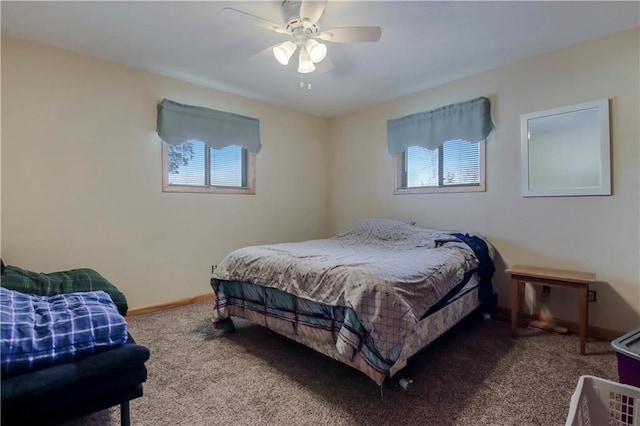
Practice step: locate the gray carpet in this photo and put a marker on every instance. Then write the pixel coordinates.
(475, 375)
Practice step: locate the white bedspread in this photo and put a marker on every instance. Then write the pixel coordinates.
(389, 272)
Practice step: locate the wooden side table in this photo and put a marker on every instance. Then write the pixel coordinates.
(551, 277)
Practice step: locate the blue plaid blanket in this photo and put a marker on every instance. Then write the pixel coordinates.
(41, 331)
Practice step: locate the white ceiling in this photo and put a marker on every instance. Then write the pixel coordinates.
(423, 44)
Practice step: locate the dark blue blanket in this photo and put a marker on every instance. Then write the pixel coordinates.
(485, 270)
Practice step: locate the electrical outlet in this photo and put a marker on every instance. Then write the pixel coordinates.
(545, 294)
(592, 296)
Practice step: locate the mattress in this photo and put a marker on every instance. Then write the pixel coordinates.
(317, 325)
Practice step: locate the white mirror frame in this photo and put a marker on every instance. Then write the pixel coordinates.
(602, 124)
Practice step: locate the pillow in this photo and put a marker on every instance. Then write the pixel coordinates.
(381, 229)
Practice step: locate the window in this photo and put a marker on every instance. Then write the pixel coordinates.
(206, 150)
(455, 166)
(193, 166)
(441, 150)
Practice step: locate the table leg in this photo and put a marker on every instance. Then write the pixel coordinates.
(521, 286)
(515, 304)
(583, 306)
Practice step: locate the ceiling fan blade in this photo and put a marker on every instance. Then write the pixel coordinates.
(256, 20)
(351, 34)
(267, 52)
(324, 65)
(312, 10)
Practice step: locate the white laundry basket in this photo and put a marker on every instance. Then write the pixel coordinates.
(600, 402)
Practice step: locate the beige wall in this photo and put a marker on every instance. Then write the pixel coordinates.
(81, 176)
(599, 234)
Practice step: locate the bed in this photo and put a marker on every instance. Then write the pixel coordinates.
(370, 297)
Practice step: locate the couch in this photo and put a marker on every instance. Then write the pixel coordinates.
(65, 391)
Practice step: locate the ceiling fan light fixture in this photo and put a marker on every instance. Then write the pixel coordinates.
(284, 51)
(317, 51)
(305, 65)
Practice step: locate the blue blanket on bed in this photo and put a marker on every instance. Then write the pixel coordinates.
(40, 331)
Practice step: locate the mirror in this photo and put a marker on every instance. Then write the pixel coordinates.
(566, 151)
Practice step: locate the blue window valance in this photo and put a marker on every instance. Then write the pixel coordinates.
(178, 123)
(469, 121)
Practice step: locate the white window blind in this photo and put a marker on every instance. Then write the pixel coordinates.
(455, 163)
(227, 166)
(461, 163)
(193, 163)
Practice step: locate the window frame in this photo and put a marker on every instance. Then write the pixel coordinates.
(250, 189)
(398, 162)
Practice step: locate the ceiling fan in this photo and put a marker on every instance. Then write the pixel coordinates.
(300, 19)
